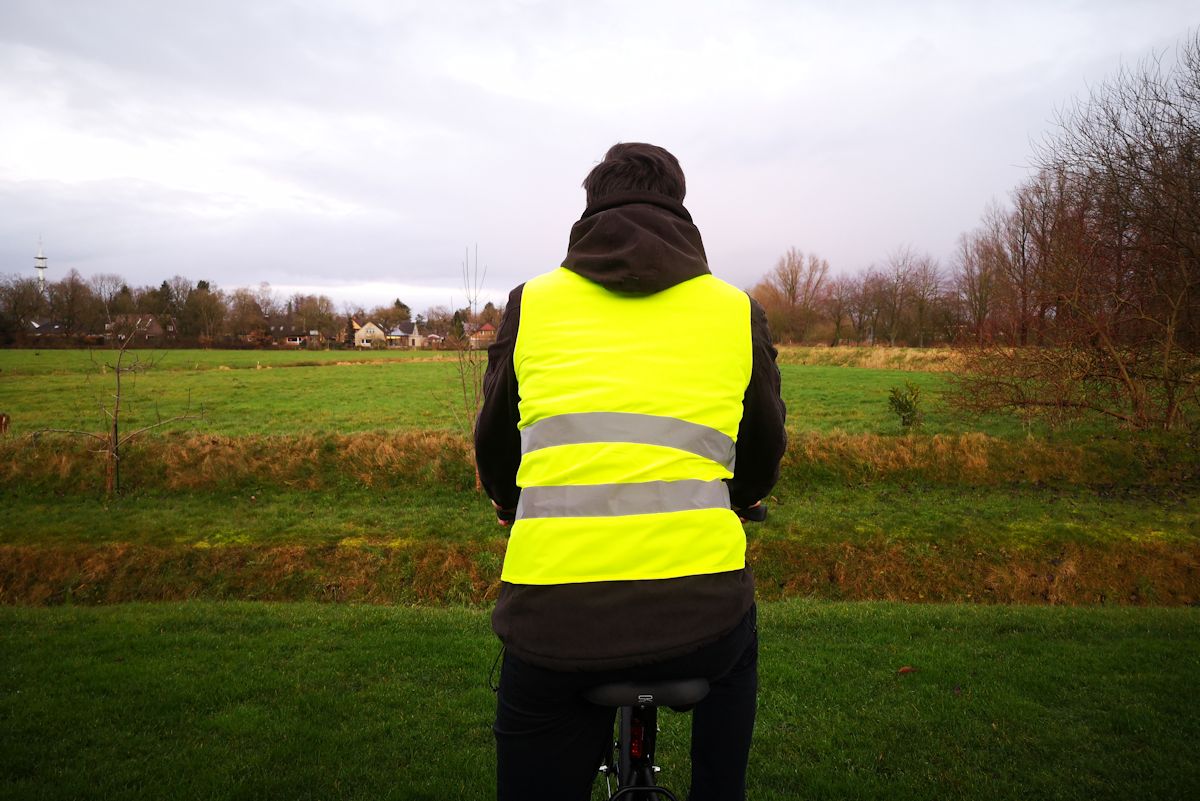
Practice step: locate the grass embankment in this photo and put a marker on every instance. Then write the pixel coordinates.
(968, 510)
(191, 701)
(395, 517)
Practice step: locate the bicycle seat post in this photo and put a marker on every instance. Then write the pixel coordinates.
(638, 703)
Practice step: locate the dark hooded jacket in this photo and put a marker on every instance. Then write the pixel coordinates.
(635, 243)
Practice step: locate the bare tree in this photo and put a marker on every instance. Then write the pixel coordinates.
(926, 293)
(790, 293)
(21, 300)
(840, 302)
(974, 279)
(470, 361)
(893, 286)
(246, 318)
(1113, 223)
(113, 440)
(107, 286)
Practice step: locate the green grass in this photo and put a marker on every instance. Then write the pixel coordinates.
(993, 517)
(1023, 489)
(403, 394)
(192, 701)
(263, 516)
(311, 392)
(30, 361)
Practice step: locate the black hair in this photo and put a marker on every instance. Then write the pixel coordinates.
(635, 167)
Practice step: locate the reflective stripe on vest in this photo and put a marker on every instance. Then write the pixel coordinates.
(647, 429)
(630, 407)
(611, 500)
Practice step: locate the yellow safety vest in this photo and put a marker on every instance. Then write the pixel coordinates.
(630, 406)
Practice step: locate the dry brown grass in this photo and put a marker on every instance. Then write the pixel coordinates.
(384, 459)
(431, 573)
(438, 573)
(1127, 573)
(972, 458)
(929, 360)
(211, 461)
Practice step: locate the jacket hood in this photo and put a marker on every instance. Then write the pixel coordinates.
(636, 242)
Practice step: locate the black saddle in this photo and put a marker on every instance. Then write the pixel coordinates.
(680, 694)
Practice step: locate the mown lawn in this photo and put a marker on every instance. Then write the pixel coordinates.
(301, 701)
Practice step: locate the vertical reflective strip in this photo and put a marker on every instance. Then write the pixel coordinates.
(611, 500)
(640, 429)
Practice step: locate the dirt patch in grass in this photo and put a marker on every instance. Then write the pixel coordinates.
(438, 573)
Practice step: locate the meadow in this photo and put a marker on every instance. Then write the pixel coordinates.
(349, 475)
(322, 562)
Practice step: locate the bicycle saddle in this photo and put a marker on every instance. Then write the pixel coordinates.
(678, 694)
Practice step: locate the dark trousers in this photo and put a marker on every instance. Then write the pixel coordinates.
(549, 740)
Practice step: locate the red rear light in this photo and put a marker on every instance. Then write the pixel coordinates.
(637, 739)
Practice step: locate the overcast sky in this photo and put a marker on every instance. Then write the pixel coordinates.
(357, 147)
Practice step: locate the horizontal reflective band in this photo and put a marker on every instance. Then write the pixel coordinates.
(642, 429)
(610, 500)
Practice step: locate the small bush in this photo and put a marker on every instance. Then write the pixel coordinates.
(906, 403)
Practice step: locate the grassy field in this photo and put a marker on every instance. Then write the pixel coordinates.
(274, 392)
(347, 478)
(365, 454)
(192, 701)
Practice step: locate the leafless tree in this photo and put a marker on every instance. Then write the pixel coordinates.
(974, 279)
(925, 291)
(70, 299)
(840, 303)
(1111, 226)
(246, 318)
(791, 292)
(470, 361)
(21, 300)
(112, 440)
(107, 286)
(893, 286)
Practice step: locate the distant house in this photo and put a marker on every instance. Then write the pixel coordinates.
(295, 336)
(144, 328)
(43, 328)
(369, 335)
(405, 335)
(484, 336)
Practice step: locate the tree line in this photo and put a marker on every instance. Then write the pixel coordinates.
(202, 313)
(1081, 293)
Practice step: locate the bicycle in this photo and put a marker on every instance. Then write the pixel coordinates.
(631, 759)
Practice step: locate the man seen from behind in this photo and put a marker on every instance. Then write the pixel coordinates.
(631, 405)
